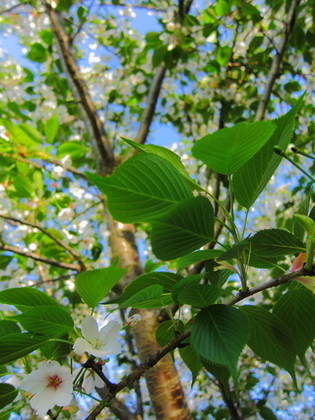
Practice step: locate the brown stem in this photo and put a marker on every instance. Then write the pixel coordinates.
(100, 142)
(274, 71)
(38, 257)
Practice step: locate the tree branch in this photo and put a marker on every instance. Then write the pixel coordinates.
(74, 254)
(274, 71)
(38, 257)
(148, 113)
(94, 126)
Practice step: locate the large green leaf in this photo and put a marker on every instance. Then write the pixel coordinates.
(297, 310)
(199, 295)
(46, 320)
(197, 256)
(270, 338)
(7, 394)
(228, 149)
(168, 155)
(8, 327)
(186, 227)
(93, 285)
(142, 188)
(25, 298)
(219, 334)
(18, 345)
(165, 279)
(275, 242)
(251, 179)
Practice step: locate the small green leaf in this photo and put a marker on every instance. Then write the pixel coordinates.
(234, 252)
(266, 413)
(186, 227)
(275, 242)
(142, 188)
(184, 282)
(197, 256)
(228, 149)
(25, 298)
(7, 394)
(191, 359)
(51, 128)
(94, 285)
(199, 295)
(37, 53)
(220, 372)
(18, 345)
(219, 334)
(167, 331)
(46, 320)
(270, 338)
(296, 309)
(307, 223)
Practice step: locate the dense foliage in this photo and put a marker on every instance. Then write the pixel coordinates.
(157, 156)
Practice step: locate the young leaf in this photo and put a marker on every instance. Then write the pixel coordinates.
(219, 334)
(7, 394)
(18, 345)
(228, 149)
(25, 298)
(94, 285)
(297, 310)
(251, 179)
(270, 338)
(275, 242)
(143, 187)
(186, 227)
(49, 321)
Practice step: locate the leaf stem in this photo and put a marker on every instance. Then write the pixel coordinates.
(282, 153)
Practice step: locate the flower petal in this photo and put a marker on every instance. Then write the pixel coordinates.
(110, 348)
(89, 329)
(81, 346)
(109, 332)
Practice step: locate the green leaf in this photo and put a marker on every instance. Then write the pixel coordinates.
(18, 345)
(251, 179)
(191, 359)
(228, 149)
(266, 413)
(25, 298)
(168, 155)
(296, 309)
(219, 334)
(46, 320)
(186, 227)
(200, 295)
(8, 327)
(94, 285)
(196, 257)
(270, 338)
(184, 282)
(307, 223)
(275, 242)
(165, 279)
(143, 187)
(234, 252)
(54, 350)
(73, 148)
(37, 53)
(149, 297)
(222, 8)
(23, 186)
(7, 394)
(51, 128)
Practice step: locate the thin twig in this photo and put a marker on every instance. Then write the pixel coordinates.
(274, 71)
(74, 254)
(37, 257)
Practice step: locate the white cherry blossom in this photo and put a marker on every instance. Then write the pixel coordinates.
(99, 343)
(51, 385)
